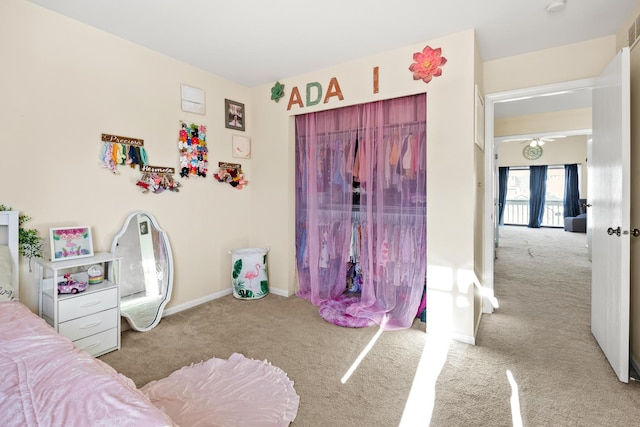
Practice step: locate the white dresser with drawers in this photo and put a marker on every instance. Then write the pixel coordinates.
(91, 317)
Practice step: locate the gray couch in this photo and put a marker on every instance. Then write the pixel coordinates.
(577, 224)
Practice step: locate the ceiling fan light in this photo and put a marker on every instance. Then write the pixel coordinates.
(532, 143)
(556, 6)
(541, 142)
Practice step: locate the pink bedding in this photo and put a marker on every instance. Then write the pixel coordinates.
(238, 392)
(46, 381)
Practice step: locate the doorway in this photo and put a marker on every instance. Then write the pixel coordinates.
(535, 100)
(609, 175)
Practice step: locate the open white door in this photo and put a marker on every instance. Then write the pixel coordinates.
(609, 196)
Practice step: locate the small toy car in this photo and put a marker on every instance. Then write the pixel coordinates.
(70, 286)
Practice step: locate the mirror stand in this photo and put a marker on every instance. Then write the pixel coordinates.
(146, 270)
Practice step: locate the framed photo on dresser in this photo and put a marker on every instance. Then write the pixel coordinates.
(70, 243)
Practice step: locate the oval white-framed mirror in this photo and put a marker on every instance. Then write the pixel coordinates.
(146, 270)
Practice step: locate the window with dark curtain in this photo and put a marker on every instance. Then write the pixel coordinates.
(503, 179)
(538, 190)
(571, 191)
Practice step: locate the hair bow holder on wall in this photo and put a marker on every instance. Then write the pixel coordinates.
(122, 150)
(192, 143)
(156, 179)
(231, 173)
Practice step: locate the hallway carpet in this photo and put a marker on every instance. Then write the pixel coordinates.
(541, 336)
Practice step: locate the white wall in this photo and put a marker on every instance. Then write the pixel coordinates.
(561, 64)
(450, 167)
(74, 82)
(480, 189)
(63, 84)
(68, 83)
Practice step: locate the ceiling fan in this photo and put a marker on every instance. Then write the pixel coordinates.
(536, 142)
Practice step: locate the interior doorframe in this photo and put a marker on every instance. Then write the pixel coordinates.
(490, 172)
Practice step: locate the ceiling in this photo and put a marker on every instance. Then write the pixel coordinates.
(566, 100)
(255, 42)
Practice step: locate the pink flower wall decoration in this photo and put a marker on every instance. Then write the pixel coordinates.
(426, 64)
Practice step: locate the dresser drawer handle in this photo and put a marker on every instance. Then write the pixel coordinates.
(90, 325)
(91, 303)
(95, 344)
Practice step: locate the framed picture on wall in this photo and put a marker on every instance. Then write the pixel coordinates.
(235, 117)
(144, 228)
(70, 242)
(479, 107)
(241, 147)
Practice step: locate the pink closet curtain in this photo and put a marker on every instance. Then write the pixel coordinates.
(382, 145)
(325, 147)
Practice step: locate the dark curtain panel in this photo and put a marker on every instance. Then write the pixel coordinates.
(503, 178)
(571, 192)
(538, 190)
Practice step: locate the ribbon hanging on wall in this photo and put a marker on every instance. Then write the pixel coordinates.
(192, 143)
(122, 150)
(156, 179)
(231, 173)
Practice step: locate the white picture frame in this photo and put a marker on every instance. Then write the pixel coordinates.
(192, 100)
(70, 243)
(479, 122)
(240, 147)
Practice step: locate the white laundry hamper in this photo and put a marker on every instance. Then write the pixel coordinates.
(249, 278)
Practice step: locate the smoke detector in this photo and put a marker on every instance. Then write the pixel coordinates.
(556, 6)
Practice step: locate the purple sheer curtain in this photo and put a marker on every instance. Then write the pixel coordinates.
(325, 147)
(393, 211)
(383, 147)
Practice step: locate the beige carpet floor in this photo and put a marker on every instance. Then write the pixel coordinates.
(540, 336)
(290, 334)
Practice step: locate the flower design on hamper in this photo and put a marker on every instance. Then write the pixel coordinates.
(426, 64)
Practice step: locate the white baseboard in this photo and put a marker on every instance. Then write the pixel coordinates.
(477, 328)
(196, 302)
(279, 292)
(464, 339)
